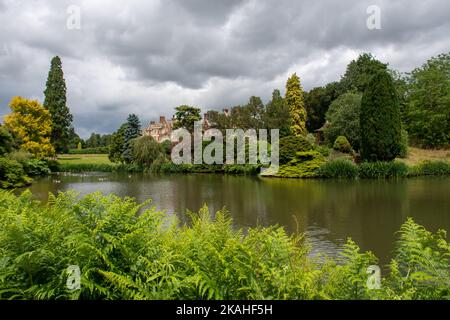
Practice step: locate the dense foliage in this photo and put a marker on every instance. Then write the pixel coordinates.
(290, 145)
(427, 114)
(341, 144)
(132, 131)
(146, 150)
(343, 118)
(375, 170)
(6, 140)
(12, 174)
(295, 102)
(339, 169)
(56, 103)
(125, 255)
(117, 144)
(31, 123)
(305, 164)
(380, 122)
(186, 116)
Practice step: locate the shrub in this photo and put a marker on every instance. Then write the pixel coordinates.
(290, 145)
(305, 165)
(433, 168)
(380, 122)
(20, 156)
(31, 165)
(339, 168)
(12, 174)
(36, 167)
(341, 144)
(323, 150)
(393, 169)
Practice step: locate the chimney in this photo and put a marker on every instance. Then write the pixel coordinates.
(162, 119)
(205, 116)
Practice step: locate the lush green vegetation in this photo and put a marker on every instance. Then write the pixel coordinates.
(427, 102)
(339, 169)
(376, 170)
(96, 150)
(341, 144)
(125, 255)
(380, 122)
(343, 120)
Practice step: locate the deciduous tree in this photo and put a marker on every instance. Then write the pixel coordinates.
(31, 122)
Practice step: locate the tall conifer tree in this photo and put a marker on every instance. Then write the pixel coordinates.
(56, 102)
(296, 104)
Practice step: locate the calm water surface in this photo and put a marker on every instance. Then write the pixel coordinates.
(327, 211)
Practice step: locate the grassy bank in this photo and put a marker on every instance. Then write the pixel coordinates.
(85, 162)
(336, 165)
(122, 255)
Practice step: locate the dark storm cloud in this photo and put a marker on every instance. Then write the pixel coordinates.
(149, 56)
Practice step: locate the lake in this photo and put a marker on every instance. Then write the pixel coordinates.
(327, 211)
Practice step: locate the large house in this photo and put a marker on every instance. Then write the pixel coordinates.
(160, 131)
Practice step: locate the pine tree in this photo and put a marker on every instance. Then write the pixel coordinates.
(380, 122)
(55, 102)
(132, 131)
(296, 104)
(117, 144)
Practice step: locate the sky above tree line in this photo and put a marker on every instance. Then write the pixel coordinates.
(148, 57)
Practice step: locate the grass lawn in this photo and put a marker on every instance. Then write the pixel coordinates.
(416, 155)
(83, 159)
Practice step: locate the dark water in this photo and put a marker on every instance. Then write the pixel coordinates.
(368, 211)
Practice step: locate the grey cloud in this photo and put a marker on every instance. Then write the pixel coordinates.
(149, 56)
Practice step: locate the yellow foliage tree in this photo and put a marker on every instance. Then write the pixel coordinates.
(32, 123)
(296, 104)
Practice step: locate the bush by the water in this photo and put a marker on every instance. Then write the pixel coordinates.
(338, 169)
(31, 165)
(12, 174)
(126, 250)
(375, 170)
(237, 169)
(290, 145)
(305, 165)
(431, 168)
(341, 144)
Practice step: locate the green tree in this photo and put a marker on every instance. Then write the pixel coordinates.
(427, 114)
(380, 123)
(74, 139)
(295, 102)
(146, 150)
(343, 117)
(117, 144)
(56, 102)
(317, 103)
(185, 116)
(277, 114)
(32, 124)
(6, 141)
(132, 131)
(360, 71)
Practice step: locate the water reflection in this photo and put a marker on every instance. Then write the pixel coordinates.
(369, 211)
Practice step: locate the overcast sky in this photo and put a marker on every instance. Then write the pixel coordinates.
(149, 56)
